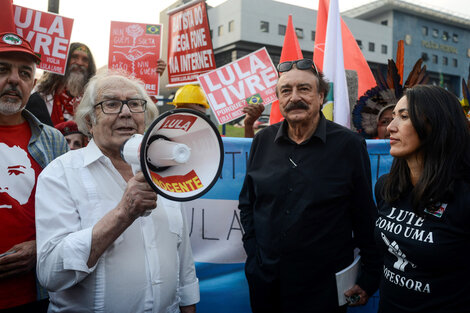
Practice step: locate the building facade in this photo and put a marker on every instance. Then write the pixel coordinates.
(239, 27)
(441, 38)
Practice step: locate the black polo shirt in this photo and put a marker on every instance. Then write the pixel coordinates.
(301, 203)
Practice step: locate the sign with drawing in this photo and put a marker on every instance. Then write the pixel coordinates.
(135, 48)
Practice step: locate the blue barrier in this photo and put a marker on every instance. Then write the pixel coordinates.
(223, 285)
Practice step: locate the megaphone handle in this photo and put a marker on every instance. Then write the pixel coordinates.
(135, 169)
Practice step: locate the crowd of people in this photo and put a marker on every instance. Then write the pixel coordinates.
(74, 235)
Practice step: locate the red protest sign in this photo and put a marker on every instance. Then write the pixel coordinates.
(135, 48)
(249, 80)
(189, 44)
(49, 35)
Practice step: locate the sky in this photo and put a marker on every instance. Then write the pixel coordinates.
(92, 17)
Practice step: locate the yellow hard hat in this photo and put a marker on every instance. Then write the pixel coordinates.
(190, 94)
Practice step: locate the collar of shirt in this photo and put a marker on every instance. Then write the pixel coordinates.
(320, 132)
(35, 125)
(92, 154)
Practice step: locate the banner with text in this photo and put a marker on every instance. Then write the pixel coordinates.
(49, 35)
(216, 231)
(249, 80)
(135, 48)
(189, 44)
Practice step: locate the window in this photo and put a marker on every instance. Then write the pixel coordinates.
(384, 49)
(384, 22)
(211, 32)
(455, 38)
(220, 30)
(371, 46)
(281, 30)
(424, 30)
(445, 60)
(264, 27)
(445, 36)
(454, 62)
(435, 33)
(424, 56)
(299, 32)
(231, 26)
(313, 35)
(359, 43)
(434, 59)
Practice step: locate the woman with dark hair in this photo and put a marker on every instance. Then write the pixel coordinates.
(423, 228)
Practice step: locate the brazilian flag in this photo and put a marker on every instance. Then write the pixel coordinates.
(153, 29)
(255, 99)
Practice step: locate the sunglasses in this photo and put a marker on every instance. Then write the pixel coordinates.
(302, 64)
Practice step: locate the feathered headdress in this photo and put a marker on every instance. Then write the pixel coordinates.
(388, 91)
(466, 96)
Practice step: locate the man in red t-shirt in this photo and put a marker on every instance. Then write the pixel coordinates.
(26, 147)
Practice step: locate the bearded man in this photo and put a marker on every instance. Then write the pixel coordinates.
(57, 96)
(26, 147)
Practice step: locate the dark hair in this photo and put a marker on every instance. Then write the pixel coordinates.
(323, 86)
(444, 136)
(49, 82)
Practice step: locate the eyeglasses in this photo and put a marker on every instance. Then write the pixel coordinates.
(115, 106)
(302, 64)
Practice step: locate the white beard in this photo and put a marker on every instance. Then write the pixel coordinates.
(10, 106)
(75, 82)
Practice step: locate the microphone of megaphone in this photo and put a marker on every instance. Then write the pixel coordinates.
(161, 153)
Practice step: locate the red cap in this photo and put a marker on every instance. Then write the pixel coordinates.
(11, 42)
(67, 128)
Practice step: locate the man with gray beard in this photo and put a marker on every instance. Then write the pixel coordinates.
(26, 147)
(57, 96)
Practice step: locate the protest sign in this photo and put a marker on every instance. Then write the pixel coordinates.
(49, 35)
(249, 80)
(189, 44)
(135, 48)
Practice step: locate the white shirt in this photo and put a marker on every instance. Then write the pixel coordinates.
(149, 268)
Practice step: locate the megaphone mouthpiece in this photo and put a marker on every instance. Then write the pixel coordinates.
(163, 153)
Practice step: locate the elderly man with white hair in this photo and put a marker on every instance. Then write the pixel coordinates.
(96, 252)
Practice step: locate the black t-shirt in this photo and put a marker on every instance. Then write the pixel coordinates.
(426, 260)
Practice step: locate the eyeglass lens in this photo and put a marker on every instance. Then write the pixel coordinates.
(115, 106)
(303, 64)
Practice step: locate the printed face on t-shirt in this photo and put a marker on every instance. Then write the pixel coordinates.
(16, 175)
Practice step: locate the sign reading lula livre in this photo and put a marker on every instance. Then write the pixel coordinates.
(189, 44)
(49, 35)
(249, 80)
(135, 48)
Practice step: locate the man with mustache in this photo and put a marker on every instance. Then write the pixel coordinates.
(57, 96)
(307, 190)
(26, 147)
(96, 250)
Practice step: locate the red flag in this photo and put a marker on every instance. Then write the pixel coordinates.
(353, 57)
(290, 52)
